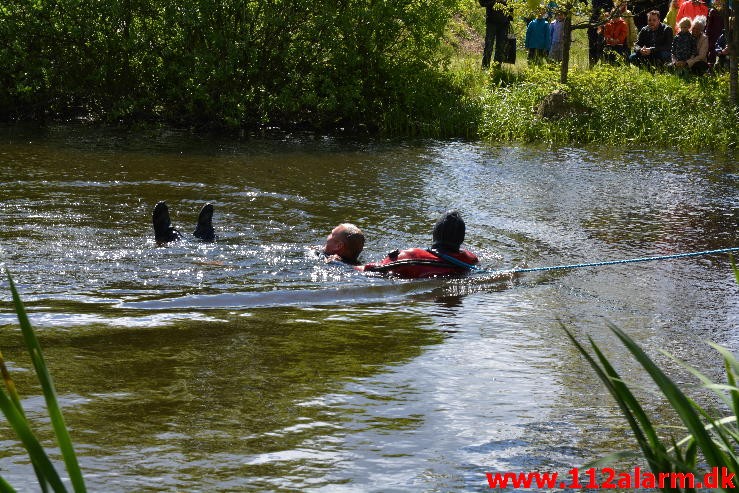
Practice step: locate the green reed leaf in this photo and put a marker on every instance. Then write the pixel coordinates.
(680, 403)
(19, 424)
(653, 456)
(15, 398)
(5, 487)
(47, 385)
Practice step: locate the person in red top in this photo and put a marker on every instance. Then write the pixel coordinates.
(615, 32)
(691, 9)
(445, 257)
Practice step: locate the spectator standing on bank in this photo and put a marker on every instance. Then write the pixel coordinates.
(538, 38)
(714, 27)
(692, 9)
(595, 42)
(497, 23)
(556, 34)
(632, 33)
(671, 17)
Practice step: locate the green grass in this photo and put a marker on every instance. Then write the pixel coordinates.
(10, 404)
(624, 106)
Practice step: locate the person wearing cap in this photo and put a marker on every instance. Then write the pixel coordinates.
(344, 244)
(445, 257)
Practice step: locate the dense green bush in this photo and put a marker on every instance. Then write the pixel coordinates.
(233, 63)
(394, 66)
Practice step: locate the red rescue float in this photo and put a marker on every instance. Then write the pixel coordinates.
(417, 263)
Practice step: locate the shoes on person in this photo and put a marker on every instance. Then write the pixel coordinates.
(204, 230)
(163, 230)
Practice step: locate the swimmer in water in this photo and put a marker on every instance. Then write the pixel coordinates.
(164, 232)
(344, 244)
(445, 257)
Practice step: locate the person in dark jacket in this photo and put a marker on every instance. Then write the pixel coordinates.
(722, 54)
(654, 43)
(497, 23)
(595, 42)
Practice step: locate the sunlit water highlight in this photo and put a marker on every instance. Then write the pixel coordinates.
(249, 364)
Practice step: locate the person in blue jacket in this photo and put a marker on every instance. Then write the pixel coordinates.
(538, 38)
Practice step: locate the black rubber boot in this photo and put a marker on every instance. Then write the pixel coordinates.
(204, 230)
(163, 230)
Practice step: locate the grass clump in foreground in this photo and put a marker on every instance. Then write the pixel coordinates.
(717, 439)
(613, 105)
(10, 405)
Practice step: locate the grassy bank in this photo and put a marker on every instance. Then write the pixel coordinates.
(615, 106)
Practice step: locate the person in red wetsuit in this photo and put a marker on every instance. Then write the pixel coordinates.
(445, 258)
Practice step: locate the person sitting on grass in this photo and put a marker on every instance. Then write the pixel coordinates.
(615, 32)
(722, 54)
(653, 44)
(538, 38)
(698, 63)
(164, 232)
(684, 46)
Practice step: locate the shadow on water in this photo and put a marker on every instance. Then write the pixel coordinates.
(213, 399)
(249, 364)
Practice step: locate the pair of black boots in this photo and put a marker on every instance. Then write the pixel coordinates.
(164, 232)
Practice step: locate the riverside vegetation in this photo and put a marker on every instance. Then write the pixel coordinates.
(395, 67)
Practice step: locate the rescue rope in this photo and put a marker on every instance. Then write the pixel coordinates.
(459, 263)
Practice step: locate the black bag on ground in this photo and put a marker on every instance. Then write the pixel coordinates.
(509, 54)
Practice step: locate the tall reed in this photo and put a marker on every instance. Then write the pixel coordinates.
(712, 438)
(10, 404)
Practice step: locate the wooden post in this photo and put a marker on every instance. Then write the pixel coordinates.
(566, 42)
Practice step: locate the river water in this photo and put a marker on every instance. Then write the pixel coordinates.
(250, 365)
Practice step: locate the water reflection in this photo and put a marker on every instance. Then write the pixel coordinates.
(249, 364)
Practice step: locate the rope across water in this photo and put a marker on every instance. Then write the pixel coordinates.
(589, 264)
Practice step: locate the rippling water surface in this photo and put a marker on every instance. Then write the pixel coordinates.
(249, 364)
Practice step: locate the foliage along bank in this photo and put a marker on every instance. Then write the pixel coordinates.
(242, 63)
(397, 67)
